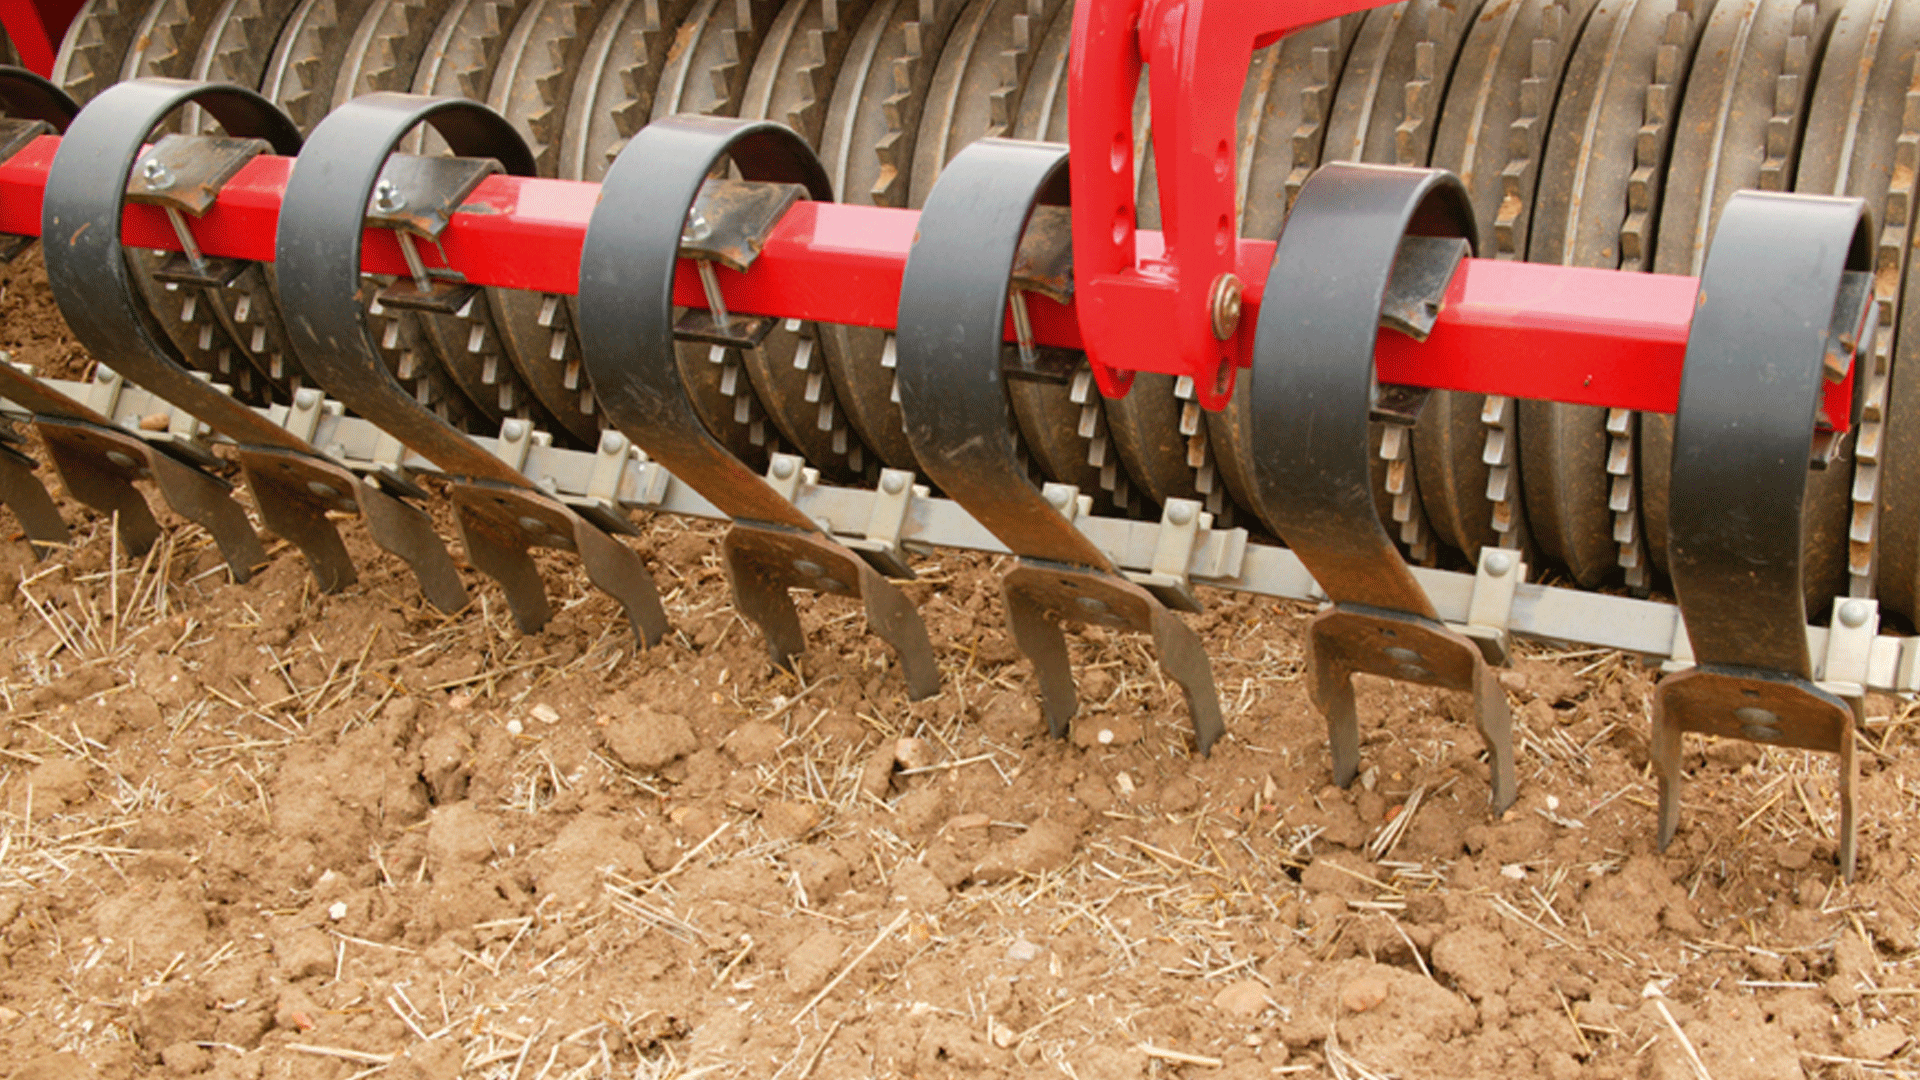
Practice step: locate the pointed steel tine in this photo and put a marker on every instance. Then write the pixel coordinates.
(32, 506)
(101, 483)
(1041, 641)
(763, 598)
(293, 506)
(1494, 717)
(405, 530)
(207, 501)
(894, 618)
(1183, 657)
(618, 571)
(501, 552)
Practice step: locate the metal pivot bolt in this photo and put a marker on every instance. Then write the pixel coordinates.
(1225, 305)
(387, 197)
(156, 175)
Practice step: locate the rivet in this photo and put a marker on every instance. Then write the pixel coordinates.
(1180, 513)
(513, 430)
(1093, 604)
(1853, 613)
(533, 524)
(1760, 725)
(1498, 563)
(120, 459)
(322, 490)
(783, 468)
(612, 442)
(1404, 656)
(809, 569)
(893, 483)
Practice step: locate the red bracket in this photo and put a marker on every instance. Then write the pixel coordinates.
(1197, 53)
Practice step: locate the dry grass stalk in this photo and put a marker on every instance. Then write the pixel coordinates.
(882, 936)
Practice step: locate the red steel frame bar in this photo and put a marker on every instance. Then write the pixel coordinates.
(36, 27)
(1526, 330)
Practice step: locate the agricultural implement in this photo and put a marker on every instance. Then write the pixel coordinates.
(1465, 320)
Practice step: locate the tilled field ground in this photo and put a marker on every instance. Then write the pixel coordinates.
(251, 831)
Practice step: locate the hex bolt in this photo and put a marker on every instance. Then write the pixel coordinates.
(533, 524)
(1180, 513)
(893, 483)
(1498, 563)
(156, 175)
(120, 459)
(1092, 604)
(1853, 613)
(387, 198)
(698, 227)
(783, 468)
(809, 569)
(325, 491)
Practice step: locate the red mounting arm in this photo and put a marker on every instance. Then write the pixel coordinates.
(1179, 312)
(36, 28)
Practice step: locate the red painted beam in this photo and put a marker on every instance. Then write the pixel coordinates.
(1528, 330)
(36, 28)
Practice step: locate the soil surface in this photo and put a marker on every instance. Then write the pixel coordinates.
(252, 831)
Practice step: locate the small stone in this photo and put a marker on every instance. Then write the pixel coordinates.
(1124, 784)
(1023, 951)
(515, 727)
(876, 777)
(337, 910)
(545, 713)
(1105, 738)
(913, 754)
(155, 422)
(1514, 872)
(1363, 993)
(1513, 682)
(1246, 998)
(789, 820)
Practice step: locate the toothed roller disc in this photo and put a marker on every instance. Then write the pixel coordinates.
(301, 73)
(867, 147)
(613, 92)
(1385, 112)
(1283, 114)
(792, 77)
(975, 93)
(93, 52)
(753, 400)
(1465, 447)
(1740, 127)
(1863, 131)
(1600, 180)
(532, 87)
(165, 45)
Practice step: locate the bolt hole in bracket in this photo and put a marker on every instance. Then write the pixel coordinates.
(657, 205)
(1778, 296)
(333, 191)
(100, 166)
(1365, 246)
(952, 318)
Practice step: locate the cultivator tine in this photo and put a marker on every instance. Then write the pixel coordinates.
(101, 164)
(341, 184)
(1364, 247)
(24, 494)
(953, 311)
(1775, 307)
(656, 205)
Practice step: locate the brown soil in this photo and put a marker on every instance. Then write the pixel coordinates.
(251, 831)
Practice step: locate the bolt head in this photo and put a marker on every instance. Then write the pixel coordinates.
(1760, 725)
(513, 430)
(121, 459)
(1498, 563)
(1413, 672)
(612, 442)
(325, 491)
(1180, 513)
(533, 524)
(1853, 613)
(808, 568)
(156, 175)
(1403, 656)
(1092, 604)
(1225, 304)
(387, 198)
(306, 398)
(1058, 498)
(783, 468)
(893, 483)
